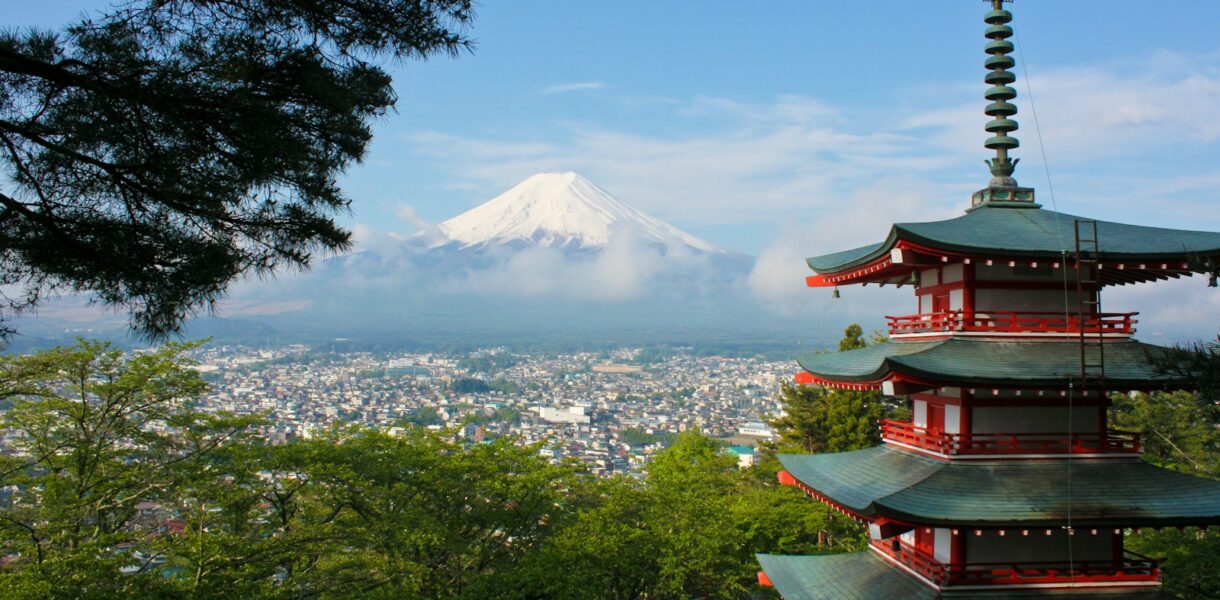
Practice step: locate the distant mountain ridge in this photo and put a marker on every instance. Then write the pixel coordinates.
(559, 210)
(553, 259)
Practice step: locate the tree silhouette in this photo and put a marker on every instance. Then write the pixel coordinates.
(153, 154)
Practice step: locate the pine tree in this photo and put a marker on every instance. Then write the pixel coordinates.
(153, 155)
(819, 419)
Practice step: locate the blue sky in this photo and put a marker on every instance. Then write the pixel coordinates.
(735, 120)
(788, 129)
(739, 123)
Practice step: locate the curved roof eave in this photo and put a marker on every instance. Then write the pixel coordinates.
(1041, 232)
(987, 363)
(883, 481)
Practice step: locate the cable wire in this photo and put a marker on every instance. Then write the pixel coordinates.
(1063, 270)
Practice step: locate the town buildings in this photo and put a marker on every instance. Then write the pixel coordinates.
(601, 408)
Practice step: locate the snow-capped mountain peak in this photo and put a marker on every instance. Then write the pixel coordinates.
(560, 210)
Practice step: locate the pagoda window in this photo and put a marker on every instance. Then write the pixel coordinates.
(1034, 419)
(952, 418)
(1025, 300)
(1037, 547)
(952, 273)
(942, 546)
(957, 299)
(919, 412)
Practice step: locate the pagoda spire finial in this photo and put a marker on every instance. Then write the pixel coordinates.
(1002, 187)
(998, 62)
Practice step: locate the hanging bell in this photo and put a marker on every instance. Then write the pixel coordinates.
(835, 295)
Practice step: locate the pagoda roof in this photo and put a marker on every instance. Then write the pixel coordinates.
(864, 576)
(904, 486)
(986, 363)
(1022, 229)
(855, 576)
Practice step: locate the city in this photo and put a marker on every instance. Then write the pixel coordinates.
(610, 410)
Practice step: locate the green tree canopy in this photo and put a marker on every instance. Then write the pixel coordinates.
(97, 435)
(1181, 431)
(689, 530)
(820, 419)
(853, 338)
(152, 155)
(114, 486)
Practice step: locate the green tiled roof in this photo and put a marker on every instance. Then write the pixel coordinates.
(990, 363)
(883, 481)
(856, 576)
(863, 576)
(1027, 231)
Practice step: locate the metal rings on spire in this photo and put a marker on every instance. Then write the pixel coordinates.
(1000, 93)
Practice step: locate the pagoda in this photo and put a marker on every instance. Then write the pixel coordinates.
(1007, 481)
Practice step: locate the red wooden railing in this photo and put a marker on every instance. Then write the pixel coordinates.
(1012, 322)
(917, 561)
(1134, 567)
(1124, 442)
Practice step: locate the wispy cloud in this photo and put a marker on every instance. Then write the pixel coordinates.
(1119, 137)
(799, 157)
(578, 86)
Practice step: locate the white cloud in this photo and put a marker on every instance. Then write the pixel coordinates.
(863, 217)
(627, 268)
(579, 86)
(1171, 311)
(796, 156)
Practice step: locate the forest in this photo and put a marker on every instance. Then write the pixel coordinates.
(114, 486)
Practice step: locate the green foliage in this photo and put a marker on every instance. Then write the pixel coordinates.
(1198, 363)
(691, 529)
(1191, 559)
(503, 386)
(1178, 431)
(1181, 431)
(487, 363)
(819, 419)
(853, 338)
(424, 416)
(469, 385)
(638, 437)
(122, 491)
(99, 434)
(160, 151)
(652, 355)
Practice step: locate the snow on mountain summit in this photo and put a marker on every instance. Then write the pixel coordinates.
(560, 210)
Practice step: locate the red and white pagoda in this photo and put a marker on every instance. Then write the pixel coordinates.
(1007, 482)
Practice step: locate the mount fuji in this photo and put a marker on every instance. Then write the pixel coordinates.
(553, 259)
(559, 210)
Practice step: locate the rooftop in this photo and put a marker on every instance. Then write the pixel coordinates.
(1025, 230)
(864, 576)
(986, 363)
(882, 481)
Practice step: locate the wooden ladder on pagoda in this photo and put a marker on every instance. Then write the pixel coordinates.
(1088, 307)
